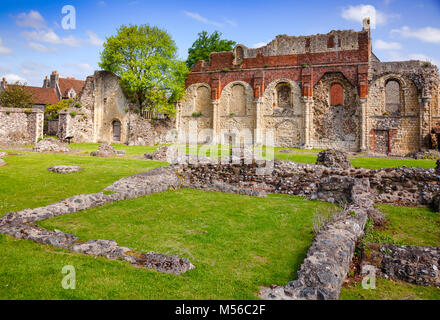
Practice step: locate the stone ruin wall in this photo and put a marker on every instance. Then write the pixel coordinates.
(20, 126)
(336, 126)
(103, 101)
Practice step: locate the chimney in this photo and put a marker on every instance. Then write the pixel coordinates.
(54, 77)
(366, 24)
(46, 83)
(3, 84)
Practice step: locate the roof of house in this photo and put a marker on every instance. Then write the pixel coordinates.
(42, 96)
(68, 83)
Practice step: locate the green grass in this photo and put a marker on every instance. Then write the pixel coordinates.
(390, 290)
(408, 226)
(379, 163)
(130, 150)
(26, 183)
(237, 243)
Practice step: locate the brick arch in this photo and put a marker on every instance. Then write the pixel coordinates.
(318, 76)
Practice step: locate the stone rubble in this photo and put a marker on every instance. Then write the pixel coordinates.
(64, 169)
(105, 151)
(413, 264)
(50, 145)
(333, 159)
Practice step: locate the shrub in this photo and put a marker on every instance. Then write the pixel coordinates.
(225, 70)
(8, 113)
(78, 105)
(73, 114)
(28, 111)
(232, 115)
(197, 114)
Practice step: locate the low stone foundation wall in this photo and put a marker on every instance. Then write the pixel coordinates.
(19, 224)
(21, 126)
(399, 186)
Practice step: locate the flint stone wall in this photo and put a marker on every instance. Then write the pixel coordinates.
(21, 126)
(399, 186)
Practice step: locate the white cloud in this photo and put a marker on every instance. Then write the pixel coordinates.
(232, 23)
(33, 19)
(383, 45)
(3, 49)
(360, 12)
(94, 40)
(39, 47)
(49, 36)
(422, 57)
(198, 17)
(81, 67)
(12, 78)
(259, 45)
(428, 34)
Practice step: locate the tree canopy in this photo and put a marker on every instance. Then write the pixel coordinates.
(205, 44)
(145, 58)
(16, 96)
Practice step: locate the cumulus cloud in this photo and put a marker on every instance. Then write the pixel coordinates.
(49, 36)
(428, 34)
(94, 40)
(3, 49)
(259, 45)
(360, 12)
(33, 19)
(198, 17)
(383, 45)
(12, 78)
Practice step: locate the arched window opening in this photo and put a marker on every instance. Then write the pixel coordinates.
(239, 55)
(392, 97)
(117, 131)
(284, 95)
(238, 100)
(203, 101)
(336, 95)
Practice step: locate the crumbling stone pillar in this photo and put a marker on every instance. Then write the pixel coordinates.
(216, 139)
(425, 121)
(259, 124)
(308, 121)
(363, 126)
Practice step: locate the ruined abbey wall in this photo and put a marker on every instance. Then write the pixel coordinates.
(20, 126)
(321, 91)
(103, 108)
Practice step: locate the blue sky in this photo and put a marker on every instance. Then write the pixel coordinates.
(33, 41)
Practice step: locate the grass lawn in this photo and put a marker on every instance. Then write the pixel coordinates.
(86, 148)
(237, 244)
(390, 290)
(26, 183)
(406, 226)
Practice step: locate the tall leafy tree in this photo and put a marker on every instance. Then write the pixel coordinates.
(16, 96)
(145, 58)
(205, 44)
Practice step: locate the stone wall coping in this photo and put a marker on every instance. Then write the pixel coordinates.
(21, 110)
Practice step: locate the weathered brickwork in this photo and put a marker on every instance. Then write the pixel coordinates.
(21, 126)
(322, 91)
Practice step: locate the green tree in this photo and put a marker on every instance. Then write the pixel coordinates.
(205, 44)
(145, 58)
(16, 96)
(52, 111)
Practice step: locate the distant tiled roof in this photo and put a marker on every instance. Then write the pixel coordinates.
(68, 83)
(42, 96)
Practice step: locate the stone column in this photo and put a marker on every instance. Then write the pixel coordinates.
(425, 120)
(363, 142)
(308, 121)
(215, 122)
(259, 122)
